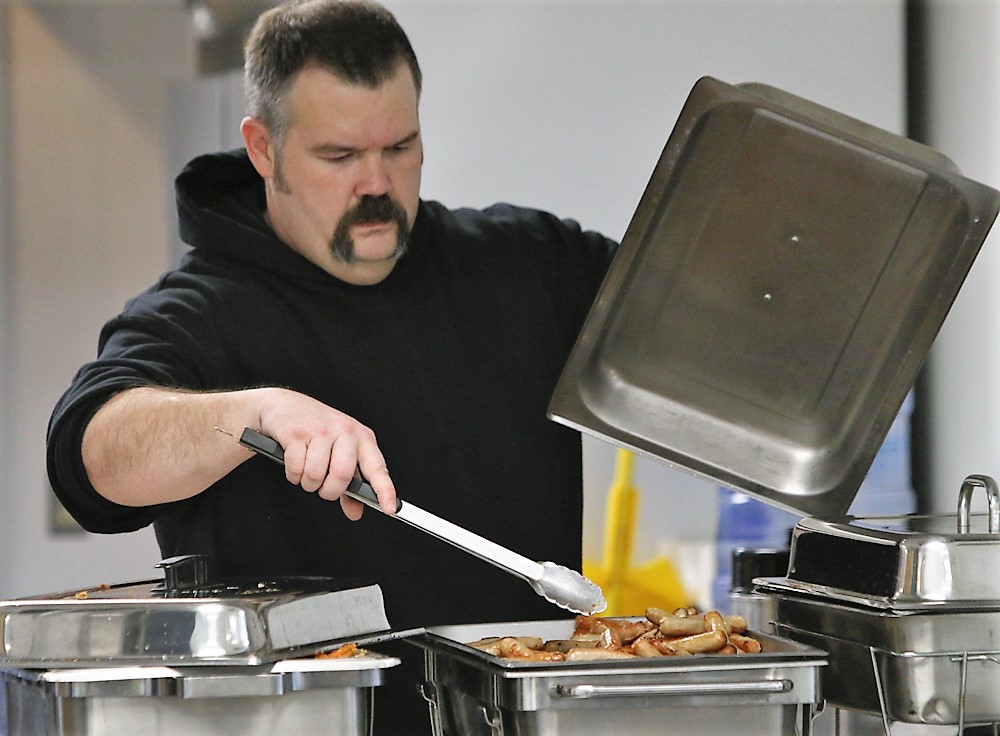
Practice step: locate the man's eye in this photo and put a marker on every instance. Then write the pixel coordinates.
(339, 158)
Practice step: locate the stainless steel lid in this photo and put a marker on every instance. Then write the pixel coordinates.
(774, 296)
(916, 563)
(188, 618)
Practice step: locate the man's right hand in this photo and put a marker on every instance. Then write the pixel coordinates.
(151, 445)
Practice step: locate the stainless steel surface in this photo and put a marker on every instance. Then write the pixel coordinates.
(557, 584)
(935, 667)
(902, 563)
(474, 694)
(148, 624)
(296, 696)
(774, 296)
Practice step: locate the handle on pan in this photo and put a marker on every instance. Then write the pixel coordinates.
(583, 692)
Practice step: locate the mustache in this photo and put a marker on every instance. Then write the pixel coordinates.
(375, 209)
(369, 209)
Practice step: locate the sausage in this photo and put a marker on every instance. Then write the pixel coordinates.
(715, 622)
(567, 645)
(735, 623)
(646, 648)
(710, 641)
(672, 625)
(513, 648)
(632, 631)
(582, 655)
(745, 643)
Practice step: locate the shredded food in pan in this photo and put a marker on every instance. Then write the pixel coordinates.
(343, 652)
(681, 633)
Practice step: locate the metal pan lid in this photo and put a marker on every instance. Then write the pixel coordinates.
(774, 297)
(187, 619)
(914, 562)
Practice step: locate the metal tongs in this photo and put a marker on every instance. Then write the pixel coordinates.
(557, 584)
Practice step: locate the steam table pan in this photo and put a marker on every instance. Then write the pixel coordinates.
(475, 694)
(774, 296)
(298, 696)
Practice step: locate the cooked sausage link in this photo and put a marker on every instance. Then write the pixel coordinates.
(710, 641)
(735, 623)
(745, 643)
(715, 622)
(681, 633)
(582, 655)
(672, 625)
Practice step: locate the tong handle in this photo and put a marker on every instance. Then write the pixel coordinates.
(358, 488)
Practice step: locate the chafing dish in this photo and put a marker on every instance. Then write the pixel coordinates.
(474, 694)
(189, 617)
(304, 696)
(908, 608)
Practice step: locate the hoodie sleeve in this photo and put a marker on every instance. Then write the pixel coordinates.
(158, 341)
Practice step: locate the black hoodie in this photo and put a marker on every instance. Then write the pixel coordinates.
(451, 360)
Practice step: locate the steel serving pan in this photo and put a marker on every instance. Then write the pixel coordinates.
(938, 666)
(776, 292)
(290, 696)
(475, 694)
(187, 618)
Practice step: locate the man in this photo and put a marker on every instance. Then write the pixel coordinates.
(324, 304)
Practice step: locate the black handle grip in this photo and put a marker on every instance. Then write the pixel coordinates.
(263, 445)
(266, 446)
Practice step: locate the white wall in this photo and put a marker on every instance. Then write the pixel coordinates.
(83, 148)
(561, 104)
(964, 366)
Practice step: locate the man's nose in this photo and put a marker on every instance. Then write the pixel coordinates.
(374, 179)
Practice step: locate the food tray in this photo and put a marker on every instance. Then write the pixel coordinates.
(294, 696)
(780, 284)
(179, 622)
(936, 666)
(475, 694)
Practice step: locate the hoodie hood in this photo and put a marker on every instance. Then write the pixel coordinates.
(217, 192)
(220, 207)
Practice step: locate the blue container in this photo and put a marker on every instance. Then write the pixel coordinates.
(744, 522)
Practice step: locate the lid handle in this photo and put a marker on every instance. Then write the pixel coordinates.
(184, 571)
(965, 502)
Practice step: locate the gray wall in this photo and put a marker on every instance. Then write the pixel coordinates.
(5, 284)
(559, 104)
(963, 119)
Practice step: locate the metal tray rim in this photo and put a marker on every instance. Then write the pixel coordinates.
(800, 655)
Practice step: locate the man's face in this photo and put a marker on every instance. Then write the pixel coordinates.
(344, 185)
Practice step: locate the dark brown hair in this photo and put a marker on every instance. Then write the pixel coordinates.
(358, 40)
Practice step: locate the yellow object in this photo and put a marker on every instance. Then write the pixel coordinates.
(631, 590)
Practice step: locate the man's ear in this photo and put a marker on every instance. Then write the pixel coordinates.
(257, 140)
